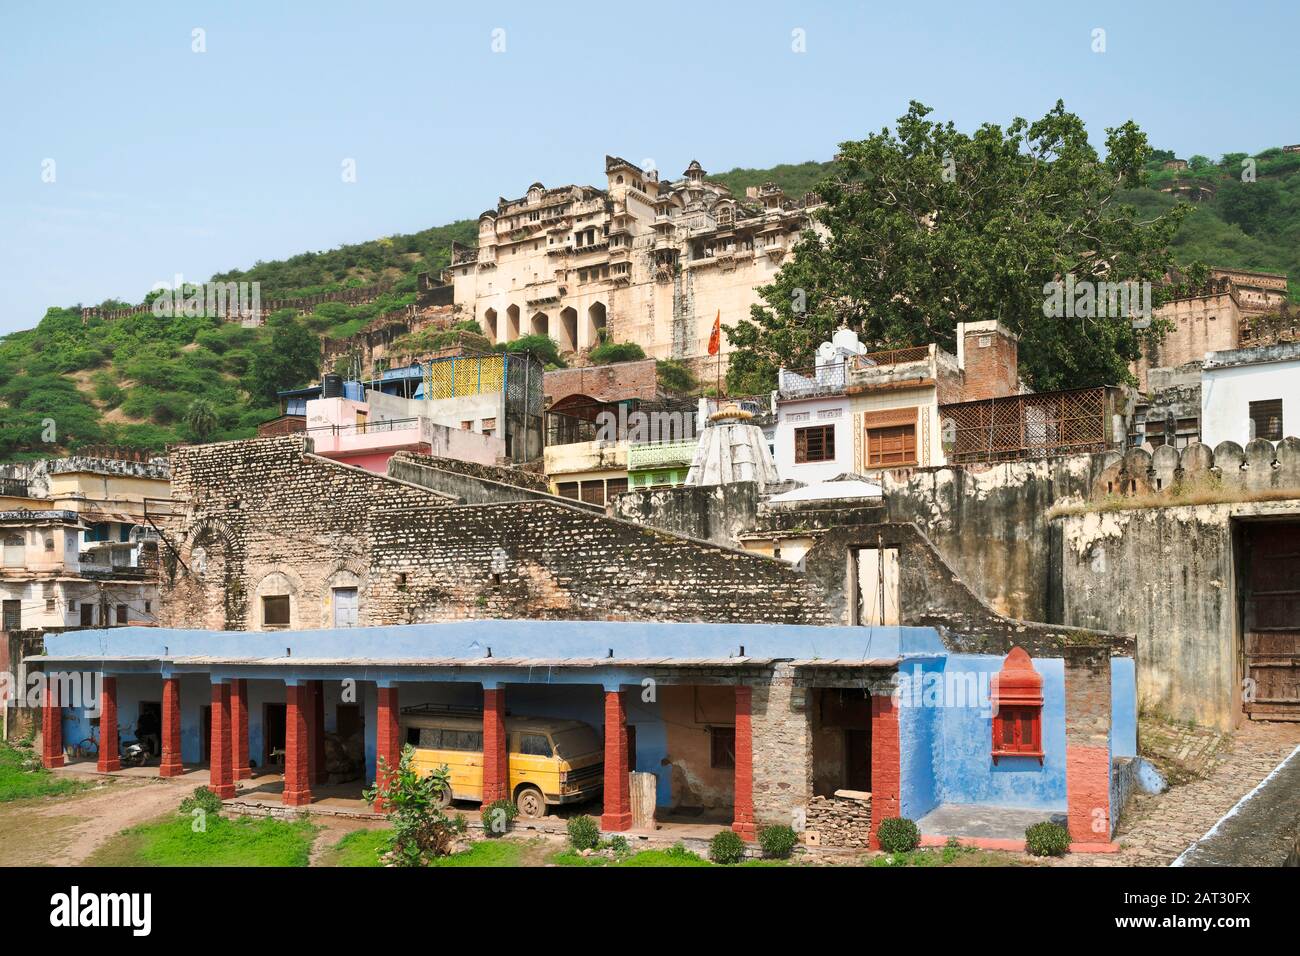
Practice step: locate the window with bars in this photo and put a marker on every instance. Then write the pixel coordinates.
(1018, 731)
(722, 747)
(816, 443)
(895, 445)
(1266, 419)
(275, 610)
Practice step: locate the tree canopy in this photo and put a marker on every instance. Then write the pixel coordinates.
(925, 226)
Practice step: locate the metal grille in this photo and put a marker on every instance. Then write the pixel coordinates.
(1025, 426)
(459, 376)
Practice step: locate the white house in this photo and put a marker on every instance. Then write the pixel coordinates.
(814, 436)
(1251, 393)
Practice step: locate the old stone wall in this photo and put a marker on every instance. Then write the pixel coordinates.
(783, 771)
(604, 383)
(263, 518)
(547, 559)
(717, 513)
(471, 483)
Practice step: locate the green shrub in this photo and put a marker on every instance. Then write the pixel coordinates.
(609, 352)
(498, 816)
(584, 833)
(898, 835)
(778, 842)
(618, 843)
(1047, 839)
(411, 799)
(726, 847)
(202, 799)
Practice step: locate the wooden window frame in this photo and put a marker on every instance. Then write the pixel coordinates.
(1268, 410)
(288, 611)
(722, 748)
(876, 455)
(825, 444)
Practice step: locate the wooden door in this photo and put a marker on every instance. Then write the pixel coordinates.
(1271, 572)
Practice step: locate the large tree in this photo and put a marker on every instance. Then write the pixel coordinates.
(925, 226)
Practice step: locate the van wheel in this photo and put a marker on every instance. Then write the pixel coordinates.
(530, 803)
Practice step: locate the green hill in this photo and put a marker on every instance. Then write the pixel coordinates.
(136, 380)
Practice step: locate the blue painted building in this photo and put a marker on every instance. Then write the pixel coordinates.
(743, 722)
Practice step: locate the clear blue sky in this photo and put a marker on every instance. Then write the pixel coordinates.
(169, 161)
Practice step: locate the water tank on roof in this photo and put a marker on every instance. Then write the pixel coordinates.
(332, 386)
(846, 339)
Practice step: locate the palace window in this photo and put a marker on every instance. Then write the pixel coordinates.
(1017, 708)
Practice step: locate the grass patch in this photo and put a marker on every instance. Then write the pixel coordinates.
(243, 841)
(672, 856)
(19, 784)
(362, 848)
(950, 855)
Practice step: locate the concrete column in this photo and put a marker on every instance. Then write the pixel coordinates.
(496, 770)
(51, 725)
(388, 742)
(239, 729)
(319, 775)
(617, 795)
(886, 764)
(170, 765)
(297, 746)
(220, 769)
(744, 803)
(110, 757)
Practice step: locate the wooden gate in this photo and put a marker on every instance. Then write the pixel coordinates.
(1272, 620)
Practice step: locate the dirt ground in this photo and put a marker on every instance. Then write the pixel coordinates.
(65, 830)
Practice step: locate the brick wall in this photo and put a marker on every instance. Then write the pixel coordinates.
(992, 367)
(605, 383)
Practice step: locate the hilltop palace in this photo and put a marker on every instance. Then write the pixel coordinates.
(648, 261)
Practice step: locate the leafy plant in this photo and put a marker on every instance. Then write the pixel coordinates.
(201, 799)
(778, 842)
(1047, 839)
(726, 847)
(421, 831)
(497, 817)
(898, 835)
(618, 843)
(201, 417)
(607, 353)
(584, 833)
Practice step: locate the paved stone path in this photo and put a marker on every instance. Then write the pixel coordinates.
(1156, 828)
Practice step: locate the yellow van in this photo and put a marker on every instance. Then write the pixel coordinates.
(550, 762)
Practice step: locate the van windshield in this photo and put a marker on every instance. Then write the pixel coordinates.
(577, 742)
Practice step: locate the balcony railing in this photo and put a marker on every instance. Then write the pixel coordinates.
(13, 488)
(812, 382)
(1043, 425)
(913, 353)
(660, 454)
(368, 428)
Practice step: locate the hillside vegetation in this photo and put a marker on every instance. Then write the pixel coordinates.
(146, 381)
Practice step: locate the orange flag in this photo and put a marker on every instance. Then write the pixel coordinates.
(715, 337)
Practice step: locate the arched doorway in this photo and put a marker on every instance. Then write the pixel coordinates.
(595, 325)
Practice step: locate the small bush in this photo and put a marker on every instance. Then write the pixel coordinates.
(778, 842)
(1047, 839)
(498, 816)
(618, 843)
(726, 847)
(202, 799)
(584, 833)
(898, 835)
(607, 353)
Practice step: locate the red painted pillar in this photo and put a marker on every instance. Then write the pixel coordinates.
(388, 744)
(51, 725)
(319, 775)
(744, 803)
(170, 765)
(239, 729)
(220, 769)
(886, 764)
(1087, 788)
(496, 769)
(297, 746)
(617, 796)
(110, 757)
